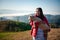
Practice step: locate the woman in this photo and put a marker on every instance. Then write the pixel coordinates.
(37, 33)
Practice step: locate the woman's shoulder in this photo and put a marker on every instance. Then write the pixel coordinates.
(45, 19)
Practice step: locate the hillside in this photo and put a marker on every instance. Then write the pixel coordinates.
(10, 25)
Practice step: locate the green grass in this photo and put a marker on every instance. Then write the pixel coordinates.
(5, 35)
(2, 35)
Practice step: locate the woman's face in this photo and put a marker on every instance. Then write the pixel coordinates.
(37, 12)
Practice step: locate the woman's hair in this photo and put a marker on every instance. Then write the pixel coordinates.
(41, 13)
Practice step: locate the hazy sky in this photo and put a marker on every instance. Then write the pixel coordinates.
(48, 6)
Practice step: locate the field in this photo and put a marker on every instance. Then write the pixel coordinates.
(54, 34)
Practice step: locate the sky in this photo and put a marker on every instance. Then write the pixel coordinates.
(24, 7)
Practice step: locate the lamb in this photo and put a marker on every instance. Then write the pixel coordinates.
(42, 25)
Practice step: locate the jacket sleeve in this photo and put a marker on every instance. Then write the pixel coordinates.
(46, 21)
(37, 24)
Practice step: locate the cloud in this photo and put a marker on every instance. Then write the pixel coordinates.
(6, 12)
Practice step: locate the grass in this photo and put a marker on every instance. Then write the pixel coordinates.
(5, 35)
(54, 34)
(15, 35)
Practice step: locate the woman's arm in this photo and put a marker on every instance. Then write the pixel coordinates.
(31, 23)
(46, 21)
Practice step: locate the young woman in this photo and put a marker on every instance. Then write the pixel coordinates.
(37, 33)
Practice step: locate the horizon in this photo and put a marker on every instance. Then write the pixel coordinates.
(12, 15)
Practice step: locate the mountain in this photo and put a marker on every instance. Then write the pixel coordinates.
(51, 18)
(3, 19)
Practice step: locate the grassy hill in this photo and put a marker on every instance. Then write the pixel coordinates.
(54, 34)
(15, 30)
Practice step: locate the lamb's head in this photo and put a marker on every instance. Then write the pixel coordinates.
(31, 18)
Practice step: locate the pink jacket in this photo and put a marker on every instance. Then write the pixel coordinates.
(34, 30)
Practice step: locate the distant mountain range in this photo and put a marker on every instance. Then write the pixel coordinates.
(51, 18)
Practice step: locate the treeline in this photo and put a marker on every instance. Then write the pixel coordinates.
(14, 26)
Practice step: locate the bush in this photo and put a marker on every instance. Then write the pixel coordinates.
(54, 26)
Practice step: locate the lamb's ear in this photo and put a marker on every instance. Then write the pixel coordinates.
(29, 16)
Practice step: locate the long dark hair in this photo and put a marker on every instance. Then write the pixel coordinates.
(41, 13)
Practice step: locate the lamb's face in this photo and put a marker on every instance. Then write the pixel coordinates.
(31, 18)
